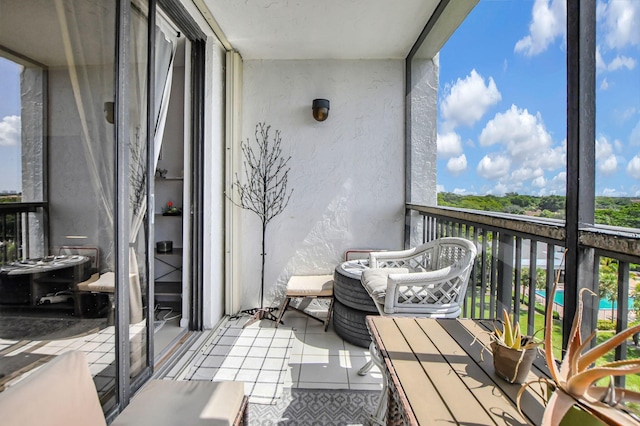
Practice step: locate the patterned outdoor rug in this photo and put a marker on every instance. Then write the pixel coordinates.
(257, 356)
(316, 407)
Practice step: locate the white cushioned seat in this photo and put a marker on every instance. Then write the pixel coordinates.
(310, 285)
(104, 283)
(165, 402)
(375, 281)
(61, 392)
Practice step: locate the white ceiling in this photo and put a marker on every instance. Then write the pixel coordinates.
(322, 29)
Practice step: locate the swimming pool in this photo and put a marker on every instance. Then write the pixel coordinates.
(559, 299)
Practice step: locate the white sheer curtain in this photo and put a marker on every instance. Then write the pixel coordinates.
(165, 52)
(91, 74)
(85, 81)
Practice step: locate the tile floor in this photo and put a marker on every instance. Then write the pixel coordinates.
(317, 360)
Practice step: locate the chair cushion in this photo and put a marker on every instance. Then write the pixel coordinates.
(60, 392)
(375, 281)
(310, 285)
(166, 402)
(104, 283)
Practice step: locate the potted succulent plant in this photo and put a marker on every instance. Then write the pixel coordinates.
(513, 353)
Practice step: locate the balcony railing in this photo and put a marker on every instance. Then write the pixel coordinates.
(507, 247)
(16, 221)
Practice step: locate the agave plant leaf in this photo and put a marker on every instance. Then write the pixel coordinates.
(557, 407)
(517, 339)
(574, 381)
(593, 354)
(508, 330)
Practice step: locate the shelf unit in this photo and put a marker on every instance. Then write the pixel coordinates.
(168, 266)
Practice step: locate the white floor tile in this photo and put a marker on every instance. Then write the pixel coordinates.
(272, 363)
(247, 376)
(228, 340)
(321, 385)
(263, 342)
(277, 352)
(254, 363)
(244, 340)
(225, 374)
(258, 352)
(297, 348)
(239, 351)
(232, 362)
(204, 374)
(267, 376)
(212, 361)
(326, 369)
(365, 386)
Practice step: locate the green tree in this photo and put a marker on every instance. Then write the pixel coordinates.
(608, 281)
(552, 203)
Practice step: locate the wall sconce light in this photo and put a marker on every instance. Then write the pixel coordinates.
(320, 109)
(109, 111)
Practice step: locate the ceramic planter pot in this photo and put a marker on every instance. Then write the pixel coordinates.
(513, 365)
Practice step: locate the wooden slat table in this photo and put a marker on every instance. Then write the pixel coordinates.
(436, 375)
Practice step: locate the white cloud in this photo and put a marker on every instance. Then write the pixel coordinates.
(634, 137)
(449, 144)
(457, 165)
(493, 167)
(609, 165)
(521, 133)
(523, 174)
(604, 85)
(618, 145)
(633, 168)
(527, 151)
(440, 188)
(612, 192)
(606, 161)
(548, 23)
(621, 61)
(10, 131)
(500, 189)
(461, 191)
(603, 148)
(468, 100)
(539, 182)
(600, 65)
(620, 19)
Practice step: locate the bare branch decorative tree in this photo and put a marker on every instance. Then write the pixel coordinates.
(265, 189)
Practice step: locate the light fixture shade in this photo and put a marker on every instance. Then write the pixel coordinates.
(320, 109)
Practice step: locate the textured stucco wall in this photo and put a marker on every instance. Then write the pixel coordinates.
(422, 132)
(347, 173)
(214, 158)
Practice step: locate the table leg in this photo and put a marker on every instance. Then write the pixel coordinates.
(378, 416)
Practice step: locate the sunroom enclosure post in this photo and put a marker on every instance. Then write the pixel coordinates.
(580, 200)
(505, 274)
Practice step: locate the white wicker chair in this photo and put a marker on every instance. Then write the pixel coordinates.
(429, 280)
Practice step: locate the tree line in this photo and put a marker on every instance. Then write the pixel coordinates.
(613, 211)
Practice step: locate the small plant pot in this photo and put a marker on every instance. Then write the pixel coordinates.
(513, 365)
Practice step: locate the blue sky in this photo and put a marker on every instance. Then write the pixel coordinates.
(10, 168)
(502, 100)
